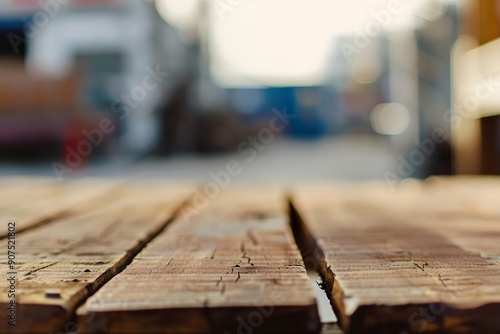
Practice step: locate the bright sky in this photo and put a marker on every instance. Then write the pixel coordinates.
(284, 42)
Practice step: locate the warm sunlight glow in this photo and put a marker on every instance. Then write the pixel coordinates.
(276, 42)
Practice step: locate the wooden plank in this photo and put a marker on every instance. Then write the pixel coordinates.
(17, 181)
(16, 190)
(26, 193)
(59, 265)
(20, 191)
(421, 259)
(40, 204)
(231, 268)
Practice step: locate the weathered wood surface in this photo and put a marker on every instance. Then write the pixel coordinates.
(232, 267)
(34, 203)
(421, 259)
(60, 264)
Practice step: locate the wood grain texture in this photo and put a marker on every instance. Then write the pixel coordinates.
(60, 264)
(421, 259)
(231, 267)
(35, 202)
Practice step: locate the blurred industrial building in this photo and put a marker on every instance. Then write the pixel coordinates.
(82, 81)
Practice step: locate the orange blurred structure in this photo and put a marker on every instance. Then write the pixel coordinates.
(477, 142)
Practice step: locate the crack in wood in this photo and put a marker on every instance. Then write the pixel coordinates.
(252, 237)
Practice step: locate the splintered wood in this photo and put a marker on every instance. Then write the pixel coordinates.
(423, 258)
(231, 267)
(60, 264)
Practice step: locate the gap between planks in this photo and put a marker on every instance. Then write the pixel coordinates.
(232, 267)
(79, 254)
(386, 257)
(39, 202)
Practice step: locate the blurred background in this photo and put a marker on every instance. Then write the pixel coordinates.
(286, 89)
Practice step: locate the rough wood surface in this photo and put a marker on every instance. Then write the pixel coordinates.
(60, 264)
(232, 267)
(421, 259)
(34, 203)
